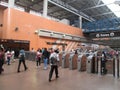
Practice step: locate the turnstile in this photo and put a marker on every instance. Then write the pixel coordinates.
(109, 66)
(116, 66)
(90, 64)
(81, 63)
(30, 55)
(65, 60)
(73, 61)
(60, 57)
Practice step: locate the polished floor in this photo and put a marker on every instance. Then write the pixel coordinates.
(37, 79)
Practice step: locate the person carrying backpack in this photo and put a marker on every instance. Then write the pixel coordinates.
(22, 60)
(54, 61)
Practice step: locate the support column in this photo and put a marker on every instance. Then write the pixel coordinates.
(45, 7)
(80, 22)
(11, 3)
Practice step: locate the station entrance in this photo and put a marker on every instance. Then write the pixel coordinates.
(15, 45)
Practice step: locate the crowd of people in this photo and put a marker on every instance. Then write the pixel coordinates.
(42, 55)
(48, 56)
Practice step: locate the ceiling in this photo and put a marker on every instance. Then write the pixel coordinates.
(93, 8)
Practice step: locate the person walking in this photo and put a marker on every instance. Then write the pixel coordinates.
(54, 61)
(45, 58)
(38, 57)
(22, 60)
(103, 63)
(12, 55)
(8, 57)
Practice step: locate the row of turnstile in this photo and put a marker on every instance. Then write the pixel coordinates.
(90, 63)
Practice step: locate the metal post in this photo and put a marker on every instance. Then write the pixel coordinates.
(11, 3)
(114, 67)
(45, 7)
(118, 67)
(80, 22)
(99, 66)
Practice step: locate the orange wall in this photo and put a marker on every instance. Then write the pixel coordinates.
(27, 24)
(1, 20)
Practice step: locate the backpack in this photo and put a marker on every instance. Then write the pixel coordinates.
(22, 57)
(53, 60)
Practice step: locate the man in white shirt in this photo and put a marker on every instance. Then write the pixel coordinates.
(54, 60)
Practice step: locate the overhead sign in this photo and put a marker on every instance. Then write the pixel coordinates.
(104, 34)
(112, 34)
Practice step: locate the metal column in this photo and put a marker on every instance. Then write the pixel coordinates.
(80, 22)
(45, 8)
(11, 3)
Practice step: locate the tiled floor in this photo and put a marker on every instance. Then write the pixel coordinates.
(37, 79)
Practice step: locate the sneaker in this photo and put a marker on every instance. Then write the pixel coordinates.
(26, 68)
(2, 70)
(57, 76)
(45, 68)
(49, 80)
(37, 67)
(18, 71)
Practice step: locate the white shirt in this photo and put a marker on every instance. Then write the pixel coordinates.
(55, 55)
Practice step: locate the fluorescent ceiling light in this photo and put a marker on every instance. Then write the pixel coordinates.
(115, 8)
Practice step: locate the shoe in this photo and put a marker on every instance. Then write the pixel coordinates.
(49, 80)
(26, 68)
(18, 71)
(2, 69)
(45, 68)
(57, 76)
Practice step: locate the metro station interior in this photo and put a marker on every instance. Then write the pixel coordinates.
(84, 34)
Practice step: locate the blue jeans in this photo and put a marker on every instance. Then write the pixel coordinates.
(8, 60)
(45, 63)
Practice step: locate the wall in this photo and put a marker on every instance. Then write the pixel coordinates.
(27, 24)
(1, 20)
